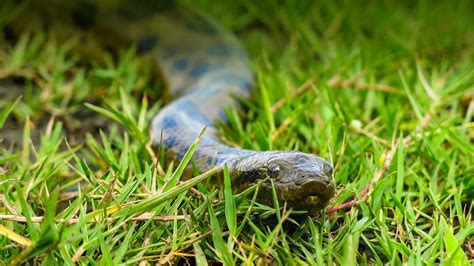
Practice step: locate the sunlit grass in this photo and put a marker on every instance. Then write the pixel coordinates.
(345, 81)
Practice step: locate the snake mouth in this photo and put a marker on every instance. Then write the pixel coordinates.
(317, 193)
(309, 195)
(323, 189)
(312, 195)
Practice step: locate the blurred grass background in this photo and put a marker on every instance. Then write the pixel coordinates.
(354, 76)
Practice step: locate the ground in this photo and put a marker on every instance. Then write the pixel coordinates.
(384, 90)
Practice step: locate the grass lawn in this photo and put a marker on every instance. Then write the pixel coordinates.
(385, 91)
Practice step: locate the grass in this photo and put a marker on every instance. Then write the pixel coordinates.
(345, 80)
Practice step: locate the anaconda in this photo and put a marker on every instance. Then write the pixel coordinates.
(206, 68)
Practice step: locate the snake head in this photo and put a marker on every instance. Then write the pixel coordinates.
(302, 181)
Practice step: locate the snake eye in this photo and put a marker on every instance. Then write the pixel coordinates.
(273, 169)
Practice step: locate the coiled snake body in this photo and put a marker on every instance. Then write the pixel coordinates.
(205, 68)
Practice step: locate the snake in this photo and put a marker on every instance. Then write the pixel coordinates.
(206, 69)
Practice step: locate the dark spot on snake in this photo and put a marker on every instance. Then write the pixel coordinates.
(180, 64)
(171, 141)
(210, 161)
(147, 44)
(302, 160)
(202, 157)
(199, 70)
(220, 159)
(84, 16)
(169, 122)
(182, 151)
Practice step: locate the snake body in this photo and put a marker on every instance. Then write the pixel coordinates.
(205, 68)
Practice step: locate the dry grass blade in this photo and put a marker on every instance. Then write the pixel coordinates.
(10, 234)
(307, 85)
(354, 81)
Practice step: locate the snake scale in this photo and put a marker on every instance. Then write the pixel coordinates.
(205, 68)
